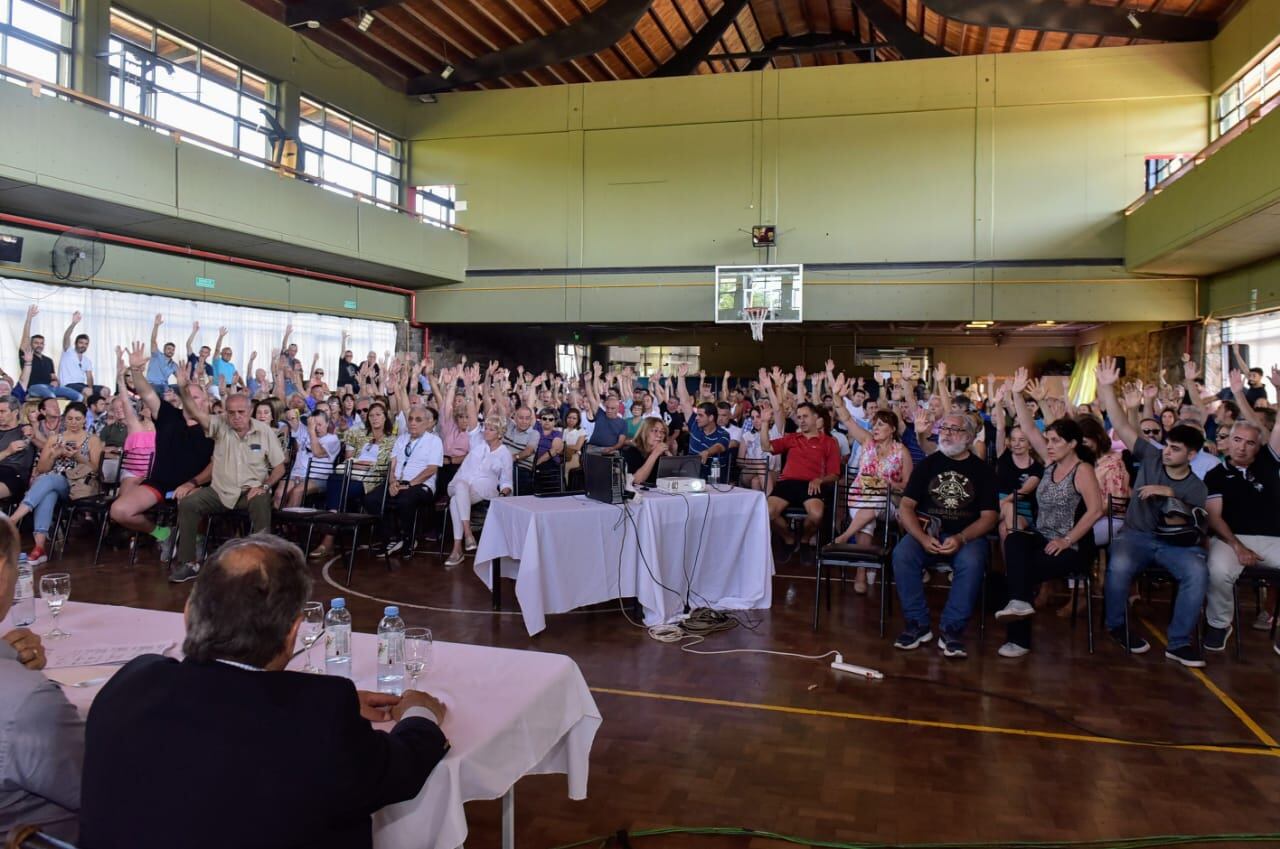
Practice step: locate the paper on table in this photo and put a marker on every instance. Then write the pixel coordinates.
(73, 677)
(98, 655)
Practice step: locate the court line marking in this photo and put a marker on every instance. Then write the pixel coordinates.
(1222, 696)
(924, 723)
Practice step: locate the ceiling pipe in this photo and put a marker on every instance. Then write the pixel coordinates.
(197, 253)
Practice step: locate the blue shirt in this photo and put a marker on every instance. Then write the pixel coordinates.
(160, 369)
(700, 440)
(224, 369)
(607, 431)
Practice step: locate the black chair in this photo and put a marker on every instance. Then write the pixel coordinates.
(31, 837)
(93, 507)
(343, 520)
(1259, 576)
(874, 552)
(548, 478)
(1084, 576)
(747, 469)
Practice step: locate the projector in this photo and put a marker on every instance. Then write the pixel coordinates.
(682, 485)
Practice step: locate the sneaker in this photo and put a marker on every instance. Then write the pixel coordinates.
(396, 546)
(1215, 639)
(871, 578)
(184, 572)
(913, 637)
(36, 557)
(469, 545)
(1186, 655)
(951, 647)
(1015, 609)
(1137, 645)
(1276, 648)
(1013, 650)
(166, 547)
(454, 559)
(1263, 622)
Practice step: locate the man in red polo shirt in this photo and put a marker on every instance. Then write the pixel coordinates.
(812, 465)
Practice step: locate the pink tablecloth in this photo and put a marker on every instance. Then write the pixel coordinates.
(511, 714)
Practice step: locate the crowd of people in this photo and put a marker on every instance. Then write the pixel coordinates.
(1004, 476)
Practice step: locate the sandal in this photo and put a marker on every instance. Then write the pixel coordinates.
(469, 545)
(455, 559)
(860, 586)
(320, 552)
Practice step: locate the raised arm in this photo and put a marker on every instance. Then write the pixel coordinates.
(191, 340)
(997, 415)
(188, 403)
(839, 389)
(138, 368)
(24, 343)
(1246, 409)
(155, 334)
(940, 387)
(1107, 374)
(131, 421)
(1023, 413)
(1190, 371)
(682, 393)
(800, 387)
(66, 334)
(284, 343)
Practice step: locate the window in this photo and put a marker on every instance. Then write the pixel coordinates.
(570, 359)
(339, 149)
(436, 204)
(646, 360)
(35, 38)
(1259, 337)
(1160, 167)
(1255, 87)
(183, 84)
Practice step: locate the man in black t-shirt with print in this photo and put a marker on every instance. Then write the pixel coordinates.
(182, 461)
(957, 492)
(1244, 515)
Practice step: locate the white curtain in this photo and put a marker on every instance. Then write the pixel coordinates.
(119, 318)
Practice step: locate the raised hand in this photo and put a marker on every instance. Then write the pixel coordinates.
(1036, 390)
(1107, 372)
(1236, 380)
(138, 356)
(75, 317)
(800, 375)
(1133, 395)
(831, 366)
(159, 320)
(1190, 371)
(940, 373)
(908, 371)
(1150, 391)
(682, 369)
(195, 326)
(763, 375)
(33, 311)
(1020, 380)
(840, 386)
(1275, 377)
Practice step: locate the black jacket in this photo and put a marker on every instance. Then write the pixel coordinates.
(195, 755)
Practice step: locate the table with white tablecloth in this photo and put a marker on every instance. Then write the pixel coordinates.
(510, 714)
(707, 549)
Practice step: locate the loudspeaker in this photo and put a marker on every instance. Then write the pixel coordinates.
(1120, 365)
(10, 248)
(1244, 358)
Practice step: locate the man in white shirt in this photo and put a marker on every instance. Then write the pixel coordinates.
(411, 481)
(75, 369)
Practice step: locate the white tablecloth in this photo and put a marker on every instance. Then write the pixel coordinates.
(510, 714)
(569, 552)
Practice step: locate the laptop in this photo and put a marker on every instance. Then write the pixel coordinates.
(683, 466)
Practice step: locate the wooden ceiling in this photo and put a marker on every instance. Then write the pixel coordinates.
(410, 45)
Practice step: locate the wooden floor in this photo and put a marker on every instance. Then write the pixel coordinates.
(790, 746)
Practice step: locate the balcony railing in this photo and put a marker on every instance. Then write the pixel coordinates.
(39, 86)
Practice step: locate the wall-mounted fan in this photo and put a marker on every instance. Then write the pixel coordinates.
(78, 255)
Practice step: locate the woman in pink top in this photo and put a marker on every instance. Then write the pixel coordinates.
(140, 444)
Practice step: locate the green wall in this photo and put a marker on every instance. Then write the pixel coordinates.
(132, 270)
(1253, 30)
(1244, 290)
(1028, 156)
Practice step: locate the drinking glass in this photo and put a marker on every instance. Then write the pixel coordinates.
(417, 653)
(310, 630)
(55, 589)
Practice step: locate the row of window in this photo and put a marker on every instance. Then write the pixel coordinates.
(184, 85)
(1254, 88)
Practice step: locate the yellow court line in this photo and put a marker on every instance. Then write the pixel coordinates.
(924, 723)
(1226, 700)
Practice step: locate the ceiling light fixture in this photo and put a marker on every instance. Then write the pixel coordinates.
(1133, 20)
(366, 21)
(447, 72)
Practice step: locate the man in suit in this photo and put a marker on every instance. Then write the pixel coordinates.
(225, 748)
(41, 735)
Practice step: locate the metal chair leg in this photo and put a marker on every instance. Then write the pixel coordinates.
(102, 535)
(1088, 607)
(1235, 613)
(351, 558)
(817, 596)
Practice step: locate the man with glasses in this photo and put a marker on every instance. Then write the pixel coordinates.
(416, 457)
(949, 506)
(522, 441)
(248, 462)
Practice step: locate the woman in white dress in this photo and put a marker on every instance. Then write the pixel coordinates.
(485, 474)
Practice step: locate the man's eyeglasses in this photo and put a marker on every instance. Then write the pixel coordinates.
(546, 418)
(1150, 432)
(951, 429)
(362, 409)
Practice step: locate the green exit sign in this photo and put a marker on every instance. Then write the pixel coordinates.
(204, 282)
(349, 304)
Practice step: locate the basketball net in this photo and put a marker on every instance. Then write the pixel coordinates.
(756, 317)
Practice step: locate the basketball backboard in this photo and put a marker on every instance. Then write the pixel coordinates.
(777, 288)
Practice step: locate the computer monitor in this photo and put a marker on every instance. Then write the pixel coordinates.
(683, 466)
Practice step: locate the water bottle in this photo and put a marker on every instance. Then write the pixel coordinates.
(24, 595)
(391, 652)
(337, 639)
(715, 470)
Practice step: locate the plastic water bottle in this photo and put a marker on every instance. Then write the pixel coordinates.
(337, 639)
(24, 595)
(391, 652)
(715, 470)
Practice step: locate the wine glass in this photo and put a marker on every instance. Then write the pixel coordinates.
(417, 653)
(55, 589)
(310, 630)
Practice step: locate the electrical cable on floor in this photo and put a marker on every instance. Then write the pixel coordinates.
(623, 836)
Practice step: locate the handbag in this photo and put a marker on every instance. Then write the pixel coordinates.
(1178, 523)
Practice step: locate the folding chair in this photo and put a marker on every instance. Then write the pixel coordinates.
(870, 551)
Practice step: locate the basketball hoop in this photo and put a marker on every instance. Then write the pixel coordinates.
(756, 317)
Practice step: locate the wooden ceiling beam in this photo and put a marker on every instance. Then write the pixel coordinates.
(519, 12)
(1082, 19)
(326, 11)
(554, 14)
(513, 37)
(489, 45)
(911, 44)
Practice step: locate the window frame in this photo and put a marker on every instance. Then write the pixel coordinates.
(330, 118)
(1255, 85)
(64, 53)
(130, 63)
(444, 202)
